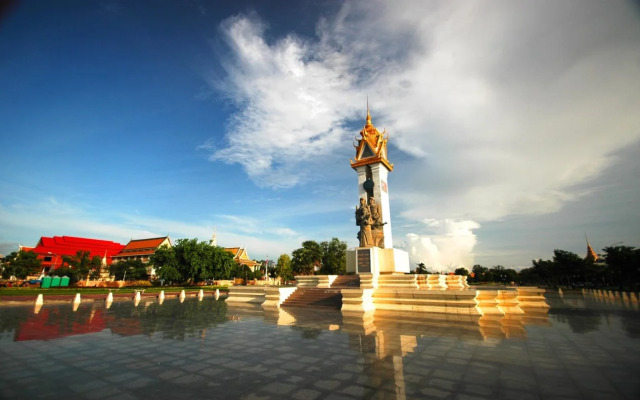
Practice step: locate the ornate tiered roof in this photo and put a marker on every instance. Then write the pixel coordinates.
(240, 256)
(52, 249)
(143, 247)
(372, 146)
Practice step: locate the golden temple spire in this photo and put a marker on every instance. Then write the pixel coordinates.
(591, 254)
(372, 145)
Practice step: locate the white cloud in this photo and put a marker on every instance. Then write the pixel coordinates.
(449, 246)
(292, 100)
(507, 106)
(19, 221)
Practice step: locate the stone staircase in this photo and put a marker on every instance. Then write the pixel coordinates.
(315, 297)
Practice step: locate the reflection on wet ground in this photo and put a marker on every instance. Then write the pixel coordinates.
(581, 348)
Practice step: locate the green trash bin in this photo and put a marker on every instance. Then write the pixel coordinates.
(64, 281)
(46, 282)
(55, 281)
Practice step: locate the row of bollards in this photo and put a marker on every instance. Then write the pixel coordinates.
(629, 299)
(136, 299)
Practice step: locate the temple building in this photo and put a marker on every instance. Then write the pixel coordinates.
(142, 249)
(241, 257)
(51, 250)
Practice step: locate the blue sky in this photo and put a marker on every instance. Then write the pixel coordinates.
(513, 125)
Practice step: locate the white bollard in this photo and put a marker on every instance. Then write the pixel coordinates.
(110, 297)
(200, 295)
(39, 303)
(137, 298)
(217, 294)
(77, 298)
(182, 296)
(161, 295)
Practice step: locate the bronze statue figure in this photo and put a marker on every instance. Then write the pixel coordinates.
(364, 221)
(369, 219)
(376, 227)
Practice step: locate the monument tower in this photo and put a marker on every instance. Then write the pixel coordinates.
(375, 253)
(373, 167)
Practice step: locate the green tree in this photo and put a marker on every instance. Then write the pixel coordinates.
(566, 268)
(242, 271)
(193, 258)
(334, 257)
(570, 267)
(624, 264)
(133, 270)
(479, 273)
(21, 264)
(545, 271)
(421, 269)
(461, 271)
(166, 264)
(306, 259)
(84, 265)
(283, 267)
(193, 261)
(221, 262)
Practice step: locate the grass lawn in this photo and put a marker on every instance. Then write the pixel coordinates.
(18, 291)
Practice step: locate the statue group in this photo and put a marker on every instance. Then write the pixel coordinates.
(369, 219)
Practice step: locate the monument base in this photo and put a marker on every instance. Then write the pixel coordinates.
(374, 260)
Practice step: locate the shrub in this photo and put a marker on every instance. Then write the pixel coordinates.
(139, 283)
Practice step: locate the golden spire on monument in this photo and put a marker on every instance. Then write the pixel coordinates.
(372, 146)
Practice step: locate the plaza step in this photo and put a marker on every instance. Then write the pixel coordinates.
(408, 281)
(315, 297)
(349, 281)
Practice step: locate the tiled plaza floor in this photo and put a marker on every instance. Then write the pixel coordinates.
(581, 349)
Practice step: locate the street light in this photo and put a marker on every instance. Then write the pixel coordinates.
(56, 260)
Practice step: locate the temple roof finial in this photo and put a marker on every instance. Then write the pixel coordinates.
(368, 115)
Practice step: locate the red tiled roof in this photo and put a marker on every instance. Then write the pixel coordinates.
(141, 247)
(59, 246)
(144, 243)
(135, 253)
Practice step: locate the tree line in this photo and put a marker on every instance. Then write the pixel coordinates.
(192, 261)
(618, 267)
(77, 267)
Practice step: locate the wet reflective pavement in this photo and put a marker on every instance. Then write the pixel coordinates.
(583, 347)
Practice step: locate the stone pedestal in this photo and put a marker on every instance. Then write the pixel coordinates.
(275, 296)
(374, 260)
(357, 300)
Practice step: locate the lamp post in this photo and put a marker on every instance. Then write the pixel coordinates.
(55, 261)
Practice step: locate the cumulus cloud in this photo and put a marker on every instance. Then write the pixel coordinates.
(449, 245)
(292, 100)
(505, 106)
